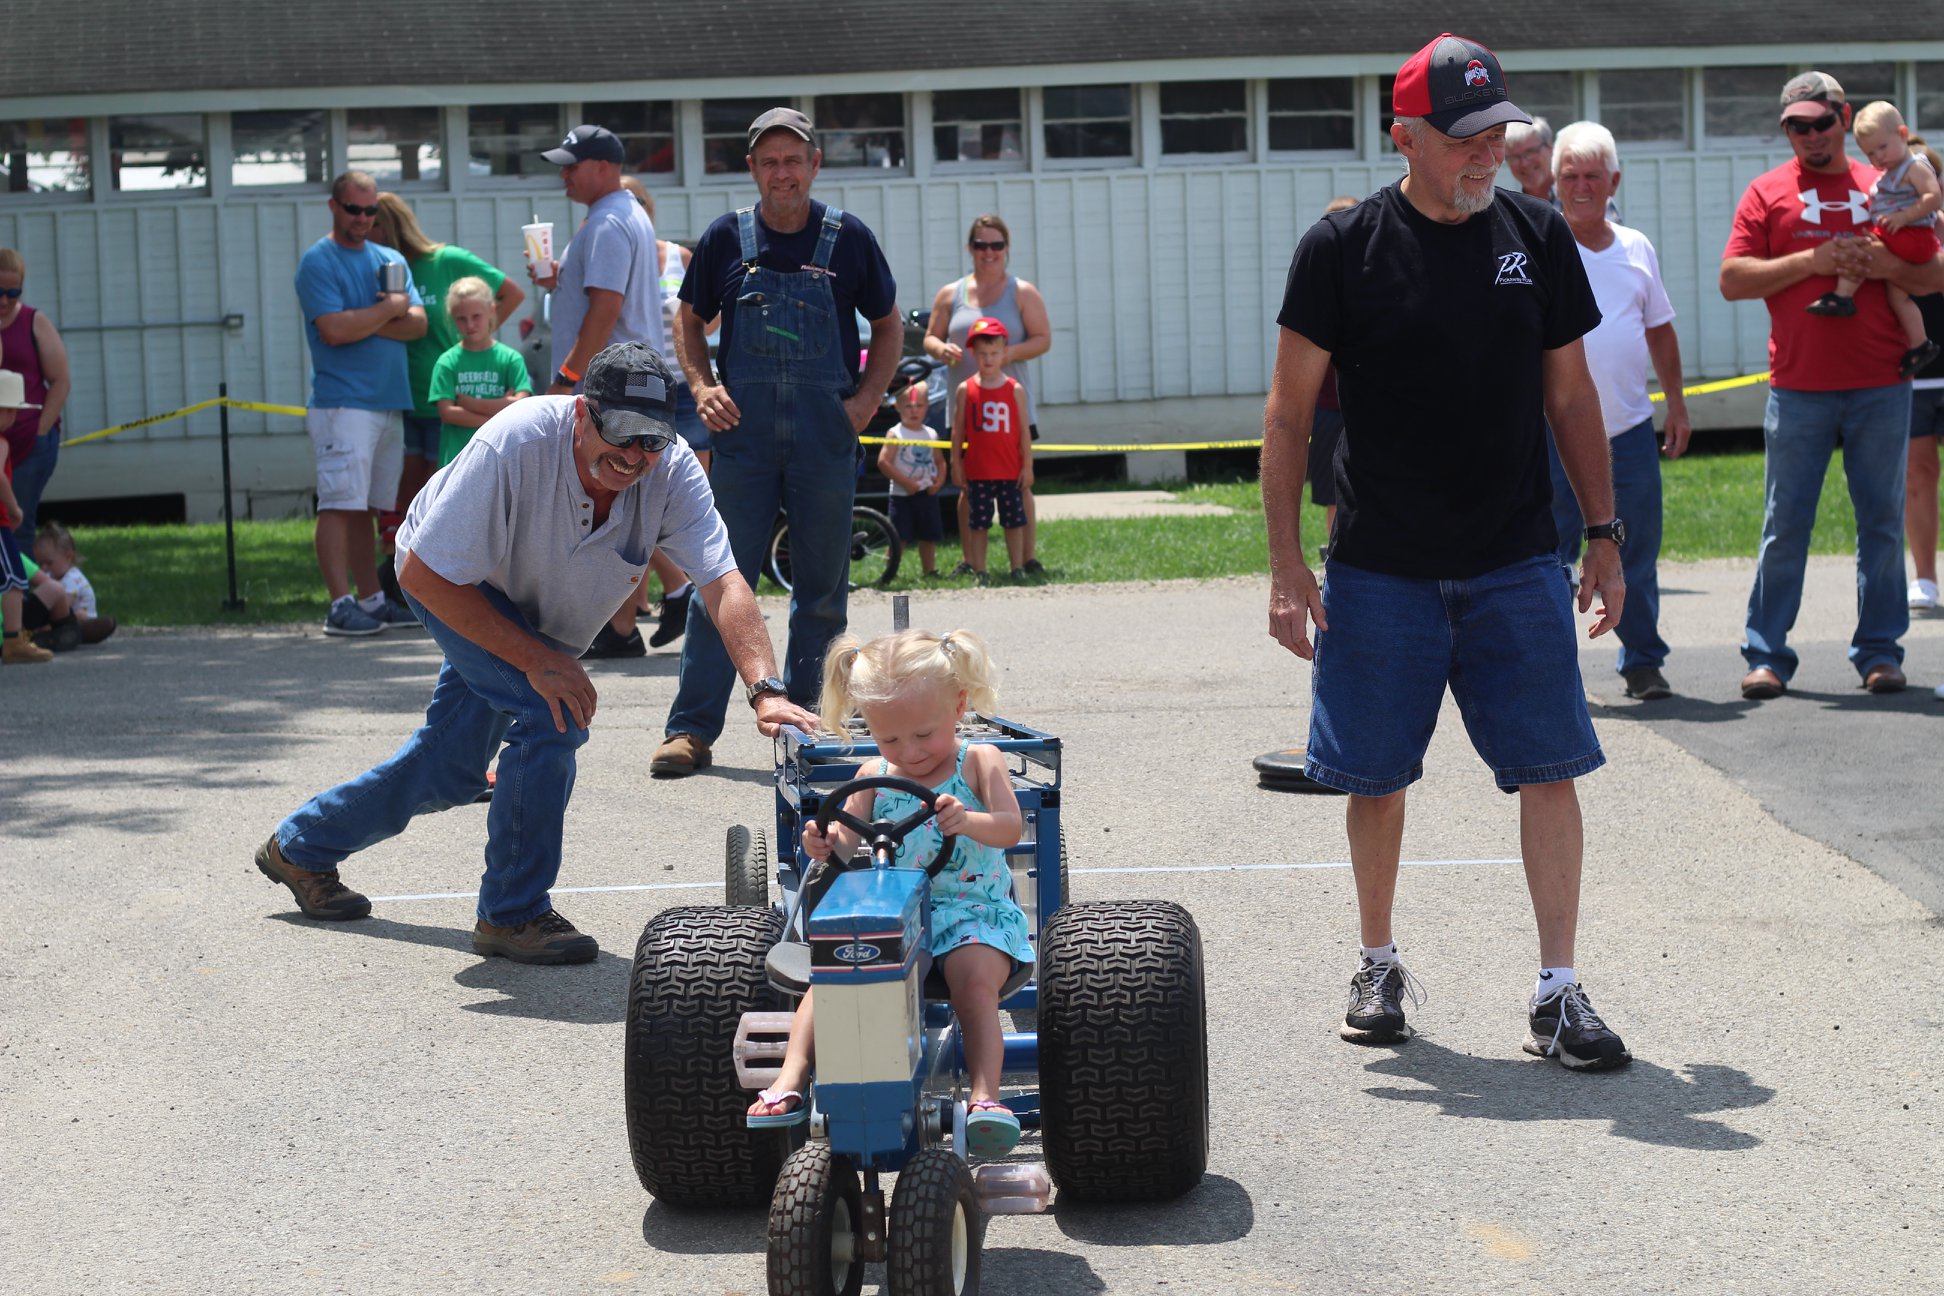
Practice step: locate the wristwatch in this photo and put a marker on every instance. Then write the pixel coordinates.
(768, 684)
(1615, 531)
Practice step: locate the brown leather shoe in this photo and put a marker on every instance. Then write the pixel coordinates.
(550, 938)
(1885, 677)
(320, 895)
(679, 756)
(1761, 684)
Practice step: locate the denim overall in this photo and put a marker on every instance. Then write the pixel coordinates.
(794, 447)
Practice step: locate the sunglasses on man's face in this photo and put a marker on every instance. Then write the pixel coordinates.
(988, 245)
(1814, 126)
(356, 210)
(650, 442)
(11, 293)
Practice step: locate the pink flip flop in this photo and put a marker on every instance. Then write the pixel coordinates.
(991, 1130)
(777, 1120)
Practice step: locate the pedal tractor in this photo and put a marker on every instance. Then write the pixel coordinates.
(1120, 1051)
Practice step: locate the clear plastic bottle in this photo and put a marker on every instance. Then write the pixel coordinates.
(1013, 1188)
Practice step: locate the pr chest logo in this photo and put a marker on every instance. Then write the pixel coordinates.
(1512, 269)
(1814, 207)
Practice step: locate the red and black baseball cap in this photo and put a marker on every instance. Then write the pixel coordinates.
(1457, 86)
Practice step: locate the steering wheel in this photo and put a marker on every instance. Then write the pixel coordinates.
(883, 834)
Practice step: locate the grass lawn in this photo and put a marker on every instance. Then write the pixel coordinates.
(175, 575)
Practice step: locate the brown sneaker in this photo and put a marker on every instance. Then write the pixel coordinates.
(550, 938)
(319, 895)
(19, 650)
(1761, 684)
(1885, 677)
(680, 755)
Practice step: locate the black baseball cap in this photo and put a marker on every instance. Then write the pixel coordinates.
(587, 142)
(788, 119)
(630, 385)
(1457, 86)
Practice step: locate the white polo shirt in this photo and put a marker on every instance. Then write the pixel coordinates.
(510, 512)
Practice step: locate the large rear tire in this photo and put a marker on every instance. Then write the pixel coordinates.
(813, 1225)
(1123, 1050)
(697, 970)
(746, 875)
(932, 1240)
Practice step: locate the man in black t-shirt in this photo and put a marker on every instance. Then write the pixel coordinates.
(1453, 312)
(788, 277)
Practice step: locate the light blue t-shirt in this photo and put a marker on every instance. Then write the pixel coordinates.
(614, 250)
(369, 374)
(511, 511)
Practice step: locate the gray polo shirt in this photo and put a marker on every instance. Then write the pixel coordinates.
(615, 250)
(510, 512)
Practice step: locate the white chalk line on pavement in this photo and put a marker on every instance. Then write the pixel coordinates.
(1134, 868)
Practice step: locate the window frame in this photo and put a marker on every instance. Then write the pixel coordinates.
(988, 166)
(1050, 163)
(1711, 142)
(439, 183)
(740, 173)
(1245, 113)
(1354, 115)
(864, 171)
(9, 196)
(671, 177)
(110, 182)
(1682, 143)
(543, 170)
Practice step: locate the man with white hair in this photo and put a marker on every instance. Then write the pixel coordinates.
(1636, 330)
(1529, 156)
(1453, 311)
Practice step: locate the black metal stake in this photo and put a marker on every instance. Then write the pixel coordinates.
(233, 603)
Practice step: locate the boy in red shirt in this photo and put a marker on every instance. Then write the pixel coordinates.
(992, 450)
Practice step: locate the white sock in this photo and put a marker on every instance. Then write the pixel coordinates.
(676, 593)
(1379, 953)
(1551, 981)
(373, 604)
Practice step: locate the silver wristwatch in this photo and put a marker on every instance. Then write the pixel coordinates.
(768, 684)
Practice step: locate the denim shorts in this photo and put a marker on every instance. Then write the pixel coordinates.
(422, 436)
(1506, 644)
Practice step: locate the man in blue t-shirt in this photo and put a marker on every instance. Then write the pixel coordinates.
(357, 326)
(788, 278)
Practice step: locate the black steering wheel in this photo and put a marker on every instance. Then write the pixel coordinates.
(883, 835)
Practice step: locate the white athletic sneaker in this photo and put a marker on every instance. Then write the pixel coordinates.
(1923, 594)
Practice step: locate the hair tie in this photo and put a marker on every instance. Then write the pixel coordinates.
(945, 643)
(850, 655)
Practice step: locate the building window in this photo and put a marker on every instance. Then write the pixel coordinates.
(1743, 103)
(1089, 121)
(279, 148)
(395, 145)
(1312, 114)
(1203, 117)
(1862, 82)
(978, 126)
(1552, 95)
(1930, 100)
(647, 131)
(1646, 105)
(508, 139)
(159, 151)
(44, 155)
(725, 133)
(861, 130)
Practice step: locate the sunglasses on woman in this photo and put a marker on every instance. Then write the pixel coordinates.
(988, 245)
(650, 442)
(1815, 126)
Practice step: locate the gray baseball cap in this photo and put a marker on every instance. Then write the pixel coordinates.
(629, 383)
(788, 119)
(1812, 94)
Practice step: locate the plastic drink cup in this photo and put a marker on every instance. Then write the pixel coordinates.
(539, 244)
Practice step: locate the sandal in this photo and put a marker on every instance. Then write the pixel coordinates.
(777, 1120)
(991, 1130)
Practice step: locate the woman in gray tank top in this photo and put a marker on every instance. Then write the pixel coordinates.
(991, 290)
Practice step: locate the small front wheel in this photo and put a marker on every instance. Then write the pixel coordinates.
(813, 1224)
(932, 1244)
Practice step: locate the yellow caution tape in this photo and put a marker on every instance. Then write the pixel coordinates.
(298, 411)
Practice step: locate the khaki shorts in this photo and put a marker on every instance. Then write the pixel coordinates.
(360, 454)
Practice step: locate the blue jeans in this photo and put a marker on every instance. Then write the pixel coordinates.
(479, 702)
(794, 447)
(1801, 428)
(1637, 500)
(1505, 644)
(30, 479)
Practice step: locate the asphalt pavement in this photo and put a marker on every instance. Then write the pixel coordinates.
(202, 1091)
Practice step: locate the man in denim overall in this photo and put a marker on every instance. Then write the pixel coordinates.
(788, 278)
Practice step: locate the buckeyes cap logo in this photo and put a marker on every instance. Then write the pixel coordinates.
(856, 952)
(1476, 75)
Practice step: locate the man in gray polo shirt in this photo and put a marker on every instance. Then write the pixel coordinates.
(513, 556)
(608, 287)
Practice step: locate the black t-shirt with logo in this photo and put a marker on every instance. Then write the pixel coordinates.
(1438, 333)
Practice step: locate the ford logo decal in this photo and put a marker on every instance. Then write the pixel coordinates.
(856, 952)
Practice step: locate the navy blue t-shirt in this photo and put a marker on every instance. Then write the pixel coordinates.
(860, 278)
(1438, 334)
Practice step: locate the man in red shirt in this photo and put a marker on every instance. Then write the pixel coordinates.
(1799, 227)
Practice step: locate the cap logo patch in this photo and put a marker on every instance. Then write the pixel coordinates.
(646, 386)
(1512, 269)
(1476, 75)
(570, 141)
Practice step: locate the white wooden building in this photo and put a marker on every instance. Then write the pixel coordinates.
(162, 167)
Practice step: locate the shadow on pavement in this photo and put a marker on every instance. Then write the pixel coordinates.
(1688, 710)
(1022, 1271)
(1643, 1102)
(1218, 1211)
(732, 1231)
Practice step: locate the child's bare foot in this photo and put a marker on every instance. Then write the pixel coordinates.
(775, 1108)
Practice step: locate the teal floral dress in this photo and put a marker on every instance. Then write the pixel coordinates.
(971, 897)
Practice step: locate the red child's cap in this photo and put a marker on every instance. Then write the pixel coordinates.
(986, 326)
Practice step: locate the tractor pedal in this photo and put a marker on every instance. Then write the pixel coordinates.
(762, 1038)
